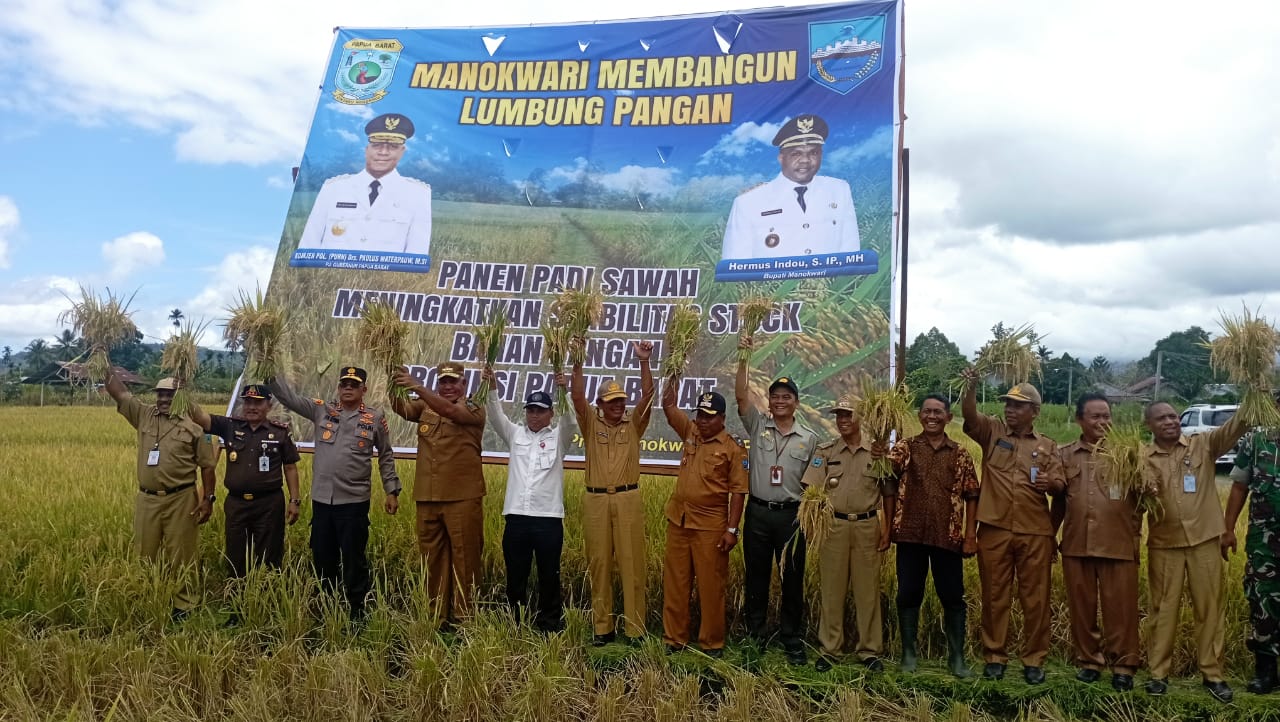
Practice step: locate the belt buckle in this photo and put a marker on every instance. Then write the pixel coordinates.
(161, 492)
(248, 497)
(611, 490)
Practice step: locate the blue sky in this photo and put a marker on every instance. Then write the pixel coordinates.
(148, 143)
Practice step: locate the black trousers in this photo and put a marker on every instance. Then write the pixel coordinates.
(914, 562)
(255, 531)
(524, 540)
(767, 536)
(339, 535)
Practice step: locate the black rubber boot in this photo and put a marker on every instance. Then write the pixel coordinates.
(908, 625)
(1264, 674)
(953, 621)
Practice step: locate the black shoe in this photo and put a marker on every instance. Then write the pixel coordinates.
(1122, 682)
(635, 641)
(714, 653)
(1264, 674)
(179, 615)
(908, 625)
(823, 663)
(672, 649)
(1157, 687)
(1221, 691)
(1088, 676)
(233, 620)
(993, 670)
(797, 656)
(875, 664)
(602, 639)
(1033, 675)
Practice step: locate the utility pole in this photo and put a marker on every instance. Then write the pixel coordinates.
(1159, 363)
(1071, 375)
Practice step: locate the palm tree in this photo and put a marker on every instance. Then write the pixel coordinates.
(39, 355)
(66, 346)
(175, 317)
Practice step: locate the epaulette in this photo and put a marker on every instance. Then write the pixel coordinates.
(1065, 445)
(827, 444)
(416, 180)
(472, 405)
(318, 402)
(334, 179)
(278, 424)
(748, 190)
(738, 440)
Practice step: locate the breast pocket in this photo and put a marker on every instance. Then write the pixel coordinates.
(363, 443)
(834, 477)
(1003, 459)
(715, 466)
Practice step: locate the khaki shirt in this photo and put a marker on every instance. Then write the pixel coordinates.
(613, 451)
(449, 466)
(843, 469)
(1099, 522)
(345, 440)
(710, 470)
(182, 445)
(1007, 499)
(770, 447)
(1188, 518)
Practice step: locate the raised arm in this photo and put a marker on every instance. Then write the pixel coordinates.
(497, 417)
(116, 388)
(678, 419)
(291, 399)
(200, 417)
(969, 402)
(644, 409)
(458, 413)
(741, 388)
(578, 393)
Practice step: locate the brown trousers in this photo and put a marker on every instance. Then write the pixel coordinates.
(1200, 567)
(450, 539)
(1115, 583)
(165, 531)
(847, 558)
(1004, 555)
(692, 553)
(613, 531)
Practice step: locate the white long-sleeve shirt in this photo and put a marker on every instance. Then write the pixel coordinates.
(535, 473)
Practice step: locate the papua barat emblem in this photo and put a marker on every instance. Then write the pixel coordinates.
(365, 69)
(844, 53)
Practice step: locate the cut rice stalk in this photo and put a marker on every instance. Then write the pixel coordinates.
(815, 515)
(753, 309)
(1012, 359)
(1124, 464)
(103, 323)
(882, 411)
(181, 360)
(489, 337)
(578, 310)
(383, 334)
(683, 326)
(259, 330)
(555, 337)
(1246, 353)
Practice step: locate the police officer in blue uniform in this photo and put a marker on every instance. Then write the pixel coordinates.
(376, 210)
(798, 213)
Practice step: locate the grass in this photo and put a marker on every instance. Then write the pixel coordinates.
(84, 631)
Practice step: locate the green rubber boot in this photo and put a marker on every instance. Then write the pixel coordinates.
(954, 624)
(908, 625)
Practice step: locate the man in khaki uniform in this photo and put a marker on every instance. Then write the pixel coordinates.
(702, 521)
(1100, 541)
(1183, 544)
(168, 508)
(853, 551)
(1016, 533)
(448, 486)
(613, 509)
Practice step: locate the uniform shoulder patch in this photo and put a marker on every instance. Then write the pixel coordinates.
(472, 405)
(738, 440)
(827, 444)
(318, 402)
(817, 461)
(278, 423)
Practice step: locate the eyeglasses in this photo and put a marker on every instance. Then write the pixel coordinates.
(349, 384)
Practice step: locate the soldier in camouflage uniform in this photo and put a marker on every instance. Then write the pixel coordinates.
(1257, 479)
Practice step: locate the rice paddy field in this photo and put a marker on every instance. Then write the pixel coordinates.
(85, 631)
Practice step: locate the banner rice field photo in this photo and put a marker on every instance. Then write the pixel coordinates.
(85, 631)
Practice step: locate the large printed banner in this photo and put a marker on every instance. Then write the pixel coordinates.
(459, 172)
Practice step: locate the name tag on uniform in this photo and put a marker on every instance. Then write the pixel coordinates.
(1114, 492)
(1189, 483)
(153, 457)
(775, 475)
(342, 204)
(264, 463)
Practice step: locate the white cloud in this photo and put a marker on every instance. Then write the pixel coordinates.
(9, 221)
(30, 307)
(245, 270)
(280, 182)
(642, 179)
(346, 135)
(739, 141)
(132, 252)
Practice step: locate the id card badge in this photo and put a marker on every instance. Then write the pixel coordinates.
(1189, 483)
(153, 457)
(1114, 492)
(1035, 472)
(775, 476)
(264, 463)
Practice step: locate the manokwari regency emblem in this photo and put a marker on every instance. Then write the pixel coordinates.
(844, 53)
(364, 72)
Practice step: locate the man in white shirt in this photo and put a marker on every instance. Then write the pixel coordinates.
(376, 210)
(534, 505)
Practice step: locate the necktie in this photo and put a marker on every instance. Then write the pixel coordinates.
(373, 192)
(800, 191)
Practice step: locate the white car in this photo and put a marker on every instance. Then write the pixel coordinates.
(1202, 418)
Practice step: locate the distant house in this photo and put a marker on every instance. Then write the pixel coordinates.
(64, 373)
(1139, 392)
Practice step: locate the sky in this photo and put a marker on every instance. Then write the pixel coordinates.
(1109, 172)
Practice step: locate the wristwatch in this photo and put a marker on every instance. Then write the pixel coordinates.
(732, 530)
(295, 502)
(211, 498)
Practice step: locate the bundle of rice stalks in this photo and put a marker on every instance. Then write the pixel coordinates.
(181, 360)
(815, 515)
(1246, 351)
(555, 337)
(259, 330)
(1012, 359)
(489, 337)
(103, 323)
(1124, 464)
(882, 411)
(753, 309)
(383, 334)
(578, 310)
(683, 325)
